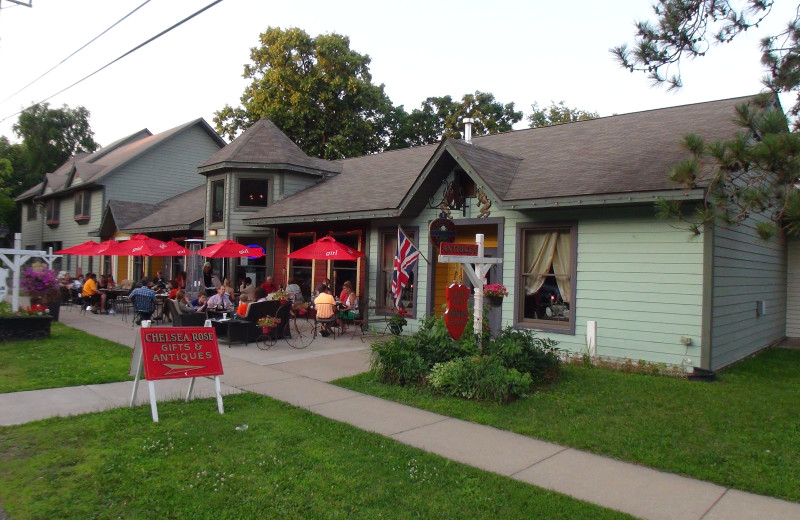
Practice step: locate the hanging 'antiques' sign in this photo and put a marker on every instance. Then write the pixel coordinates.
(457, 314)
(442, 230)
(448, 248)
(174, 353)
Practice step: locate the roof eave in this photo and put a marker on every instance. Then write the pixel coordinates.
(604, 199)
(213, 168)
(322, 217)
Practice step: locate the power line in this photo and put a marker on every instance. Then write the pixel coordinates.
(76, 52)
(162, 33)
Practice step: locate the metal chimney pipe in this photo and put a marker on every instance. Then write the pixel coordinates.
(468, 130)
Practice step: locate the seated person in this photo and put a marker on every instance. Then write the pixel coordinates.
(200, 301)
(173, 289)
(348, 306)
(183, 304)
(294, 289)
(110, 283)
(325, 305)
(247, 289)
(221, 300)
(241, 310)
(144, 301)
(269, 286)
(159, 282)
(92, 295)
(260, 294)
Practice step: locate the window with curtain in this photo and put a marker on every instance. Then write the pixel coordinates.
(387, 250)
(547, 273)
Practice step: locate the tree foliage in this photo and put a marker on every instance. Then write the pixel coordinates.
(440, 117)
(557, 114)
(49, 137)
(318, 91)
(755, 173)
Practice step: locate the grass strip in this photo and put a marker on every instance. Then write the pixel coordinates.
(739, 431)
(69, 357)
(288, 463)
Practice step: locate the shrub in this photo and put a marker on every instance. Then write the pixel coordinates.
(523, 351)
(509, 367)
(480, 377)
(398, 361)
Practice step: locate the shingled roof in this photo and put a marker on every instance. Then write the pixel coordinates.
(585, 162)
(263, 145)
(181, 212)
(86, 169)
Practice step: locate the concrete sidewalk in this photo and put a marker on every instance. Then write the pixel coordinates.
(300, 377)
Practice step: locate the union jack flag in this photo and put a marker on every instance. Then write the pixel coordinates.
(404, 261)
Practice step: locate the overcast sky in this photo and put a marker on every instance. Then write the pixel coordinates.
(521, 51)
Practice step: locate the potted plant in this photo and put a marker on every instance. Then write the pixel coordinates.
(300, 308)
(30, 323)
(41, 285)
(495, 292)
(281, 295)
(398, 321)
(267, 323)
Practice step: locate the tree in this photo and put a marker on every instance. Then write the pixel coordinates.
(49, 136)
(440, 117)
(318, 91)
(557, 114)
(756, 172)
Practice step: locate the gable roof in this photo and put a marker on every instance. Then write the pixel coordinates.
(620, 158)
(87, 169)
(181, 212)
(263, 145)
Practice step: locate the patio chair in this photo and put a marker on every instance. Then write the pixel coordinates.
(197, 319)
(329, 323)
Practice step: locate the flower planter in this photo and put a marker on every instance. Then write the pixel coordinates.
(495, 301)
(302, 312)
(284, 302)
(266, 330)
(396, 329)
(25, 327)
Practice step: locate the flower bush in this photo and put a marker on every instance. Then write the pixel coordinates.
(268, 321)
(398, 319)
(281, 295)
(32, 310)
(41, 280)
(300, 308)
(497, 290)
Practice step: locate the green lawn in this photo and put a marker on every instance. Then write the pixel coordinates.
(288, 463)
(740, 431)
(69, 357)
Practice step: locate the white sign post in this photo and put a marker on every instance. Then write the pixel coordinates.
(476, 267)
(16, 258)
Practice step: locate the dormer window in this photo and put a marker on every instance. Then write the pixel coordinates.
(52, 210)
(254, 193)
(83, 206)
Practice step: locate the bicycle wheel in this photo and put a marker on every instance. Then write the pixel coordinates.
(265, 341)
(300, 333)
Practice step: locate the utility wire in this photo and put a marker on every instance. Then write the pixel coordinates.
(162, 33)
(76, 52)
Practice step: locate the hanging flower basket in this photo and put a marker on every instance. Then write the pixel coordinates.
(495, 293)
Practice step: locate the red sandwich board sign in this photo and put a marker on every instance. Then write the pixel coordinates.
(175, 353)
(457, 314)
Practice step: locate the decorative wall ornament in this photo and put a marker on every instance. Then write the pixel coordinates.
(484, 203)
(452, 198)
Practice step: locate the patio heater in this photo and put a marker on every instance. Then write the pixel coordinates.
(194, 266)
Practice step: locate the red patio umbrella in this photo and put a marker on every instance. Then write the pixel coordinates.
(230, 249)
(80, 249)
(179, 249)
(102, 248)
(142, 245)
(326, 248)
